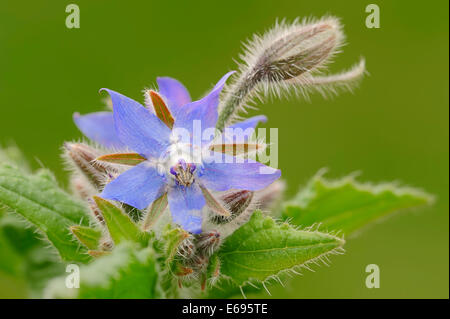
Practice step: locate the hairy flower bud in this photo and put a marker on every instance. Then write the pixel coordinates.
(82, 157)
(285, 58)
(81, 187)
(297, 50)
(186, 249)
(95, 211)
(208, 242)
(236, 203)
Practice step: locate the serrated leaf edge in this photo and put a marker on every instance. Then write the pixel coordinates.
(295, 269)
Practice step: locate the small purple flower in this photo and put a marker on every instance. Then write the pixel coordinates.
(170, 165)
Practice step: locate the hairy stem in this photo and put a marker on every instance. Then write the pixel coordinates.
(235, 98)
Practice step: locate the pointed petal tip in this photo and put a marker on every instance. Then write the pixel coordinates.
(230, 73)
(222, 81)
(262, 118)
(109, 91)
(76, 117)
(267, 170)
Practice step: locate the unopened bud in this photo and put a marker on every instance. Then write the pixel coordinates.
(200, 263)
(283, 59)
(236, 202)
(82, 157)
(186, 249)
(95, 211)
(296, 49)
(81, 187)
(180, 270)
(208, 242)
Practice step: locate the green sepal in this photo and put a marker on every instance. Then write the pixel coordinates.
(88, 236)
(120, 226)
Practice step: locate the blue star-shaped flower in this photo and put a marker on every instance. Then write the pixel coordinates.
(171, 166)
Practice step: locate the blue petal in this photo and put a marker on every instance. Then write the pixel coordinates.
(175, 93)
(204, 110)
(99, 127)
(185, 205)
(230, 174)
(250, 122)
(137, 127)
(138, 186)
(242, 131)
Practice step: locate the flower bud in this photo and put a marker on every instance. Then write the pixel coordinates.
(81, 187)
(287, 59)
(95, 211)
(208, 242)
(186, 249)
(82, 157)
(179, 270)
(296, 49)
(236, 202)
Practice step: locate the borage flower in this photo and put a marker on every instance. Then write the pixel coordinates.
(166, 165)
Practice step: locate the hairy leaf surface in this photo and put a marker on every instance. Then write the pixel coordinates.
(52, 211)
(262, 248)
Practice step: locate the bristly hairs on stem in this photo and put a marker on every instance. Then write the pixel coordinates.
(287, 59)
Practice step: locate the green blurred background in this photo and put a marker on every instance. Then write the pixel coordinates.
(394, 127)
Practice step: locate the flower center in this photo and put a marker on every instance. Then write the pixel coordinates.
(183, 172)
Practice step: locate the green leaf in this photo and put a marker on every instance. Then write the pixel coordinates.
(11, 154)
(88, 236)
(125, 273)
(262, 248)
(38, 262)
(347, 205)
(120, 226)
(38, 199)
